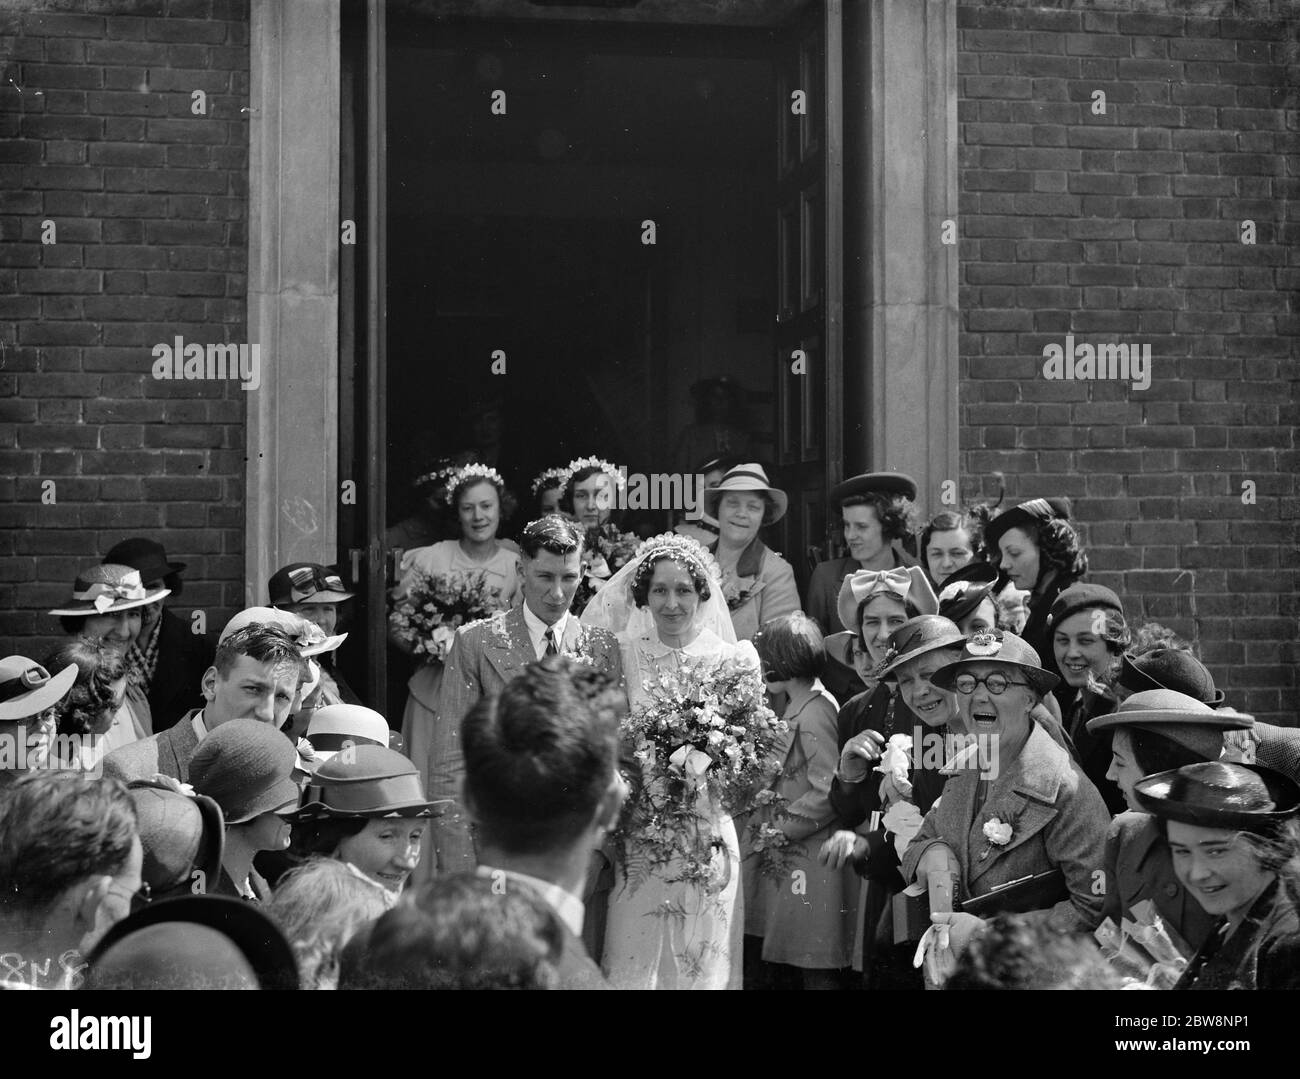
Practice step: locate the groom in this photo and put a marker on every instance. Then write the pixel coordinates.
(488, 654)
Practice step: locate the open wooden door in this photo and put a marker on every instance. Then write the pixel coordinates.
(809, 315)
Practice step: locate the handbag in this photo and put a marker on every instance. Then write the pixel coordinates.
(1040, 891)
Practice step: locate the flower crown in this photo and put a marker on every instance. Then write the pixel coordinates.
(436, 474)
(579, 463)
(680, 549)
(544, 480)
(466, 473)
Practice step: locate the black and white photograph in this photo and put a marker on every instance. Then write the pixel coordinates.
(651, 495)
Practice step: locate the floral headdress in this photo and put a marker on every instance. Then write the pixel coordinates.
(552, 477)
(436, 474)
(579, 463)
(467, 473)
(683, 550)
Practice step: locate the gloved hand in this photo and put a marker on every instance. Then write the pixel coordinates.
(858, 755)
(842, 847)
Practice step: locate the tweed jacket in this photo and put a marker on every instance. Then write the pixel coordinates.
(166, 754)
(1057, 819)
(484, 657)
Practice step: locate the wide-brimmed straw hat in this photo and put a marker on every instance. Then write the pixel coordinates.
(27, 688)
(309, 637)
(246, 767)
(1032, 513)
(106, 589)
(1175, 716)
(366, 781)
(907, 584)
(1170, 668)
(306, 582)
(916, 637)
(885, 483)
(998, 646)
(1218, 794)
(752, 478)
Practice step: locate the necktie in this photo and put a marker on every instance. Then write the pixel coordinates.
(551, 650)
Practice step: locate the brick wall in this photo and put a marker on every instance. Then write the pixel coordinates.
(1124, 227)
(149, 203)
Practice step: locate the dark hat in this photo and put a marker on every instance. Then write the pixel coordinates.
(1034, 512)
(106, 589)
(1083, 597)
(885, 483)
(976, 571)
(146, 555)
(306, 582)
(1175, 716)
(957, 599)
(748, 477)
(1217, 794)
(258, 939)
(27, 688)
(246, 767)
(181, 834)
(1170, 668)
(907, 584)
(998, 646)
(365, 781)
(915, 637)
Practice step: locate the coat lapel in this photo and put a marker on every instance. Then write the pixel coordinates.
(508, 649)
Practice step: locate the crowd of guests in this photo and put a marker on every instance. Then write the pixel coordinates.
(992, 777)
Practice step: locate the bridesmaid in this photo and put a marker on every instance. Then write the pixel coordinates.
(478, 493)
(548, 489)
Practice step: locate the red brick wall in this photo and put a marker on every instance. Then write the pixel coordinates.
(150, 206)
(1123, 227)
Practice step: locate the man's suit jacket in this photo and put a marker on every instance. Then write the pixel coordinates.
(167, 754)
(484, 657)
(1057, 819)
(177, 681)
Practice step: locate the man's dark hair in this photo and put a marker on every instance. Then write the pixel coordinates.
(551, 533)
(57, 829)
(1013, 951)
(460, 932)
(540, 755)
(266, 644)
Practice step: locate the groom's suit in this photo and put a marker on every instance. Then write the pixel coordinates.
(484, 657)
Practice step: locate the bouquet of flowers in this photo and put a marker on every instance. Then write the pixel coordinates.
(428, 616)
(706, 730)
(608, 551)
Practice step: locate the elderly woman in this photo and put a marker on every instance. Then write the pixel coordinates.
(1026, 811)
(1234, 838)
(1155, 731)
(757, 583)
(107, 606)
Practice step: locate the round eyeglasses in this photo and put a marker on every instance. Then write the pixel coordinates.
(995, 683)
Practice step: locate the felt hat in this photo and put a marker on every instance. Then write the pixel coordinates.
(748, 477)
(839, 647)
(1175, 716)
(309, 637)
(1170, 668)
(1217, 794)
(256, 937)
(338, 725)
(1028, 514)
(976, 571)
(907, 584)
(1083, 596)
(957, 599)
(306, 582)
(106, 589)
(181, 834)
(27, 688)
(146, 555)
(246, 767)
(885, 483)
(916, 637)
(998, 646)
(367, 781)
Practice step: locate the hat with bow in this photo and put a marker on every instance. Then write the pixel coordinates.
(108, 588)
(907, 584)
(309, 637)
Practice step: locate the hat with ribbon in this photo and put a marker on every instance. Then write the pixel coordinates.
(916, 637)
(1219, 794)
(998, 646)
(246, 767)
(27, 688)
(306, 582)
(907, 584)
(146, 555)
(1028, 514)
(752, 478)
(108, 588)
(1175, 716)
(976, 571)
(309, 637)
(960, 598)
(1170, 668)
(366, 781)
(337, 726)
(181, 834)
(885, 483)
(1083, 597)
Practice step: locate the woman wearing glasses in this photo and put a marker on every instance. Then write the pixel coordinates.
(1027, 811)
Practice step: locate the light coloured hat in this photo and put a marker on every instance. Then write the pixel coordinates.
(752, 478)
(309, 637)
(907, 584)
(337, 726)
(27, 688)
(108, 588)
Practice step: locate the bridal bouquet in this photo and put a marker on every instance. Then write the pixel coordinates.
(428, 616)
(608, 551)
(705, 732)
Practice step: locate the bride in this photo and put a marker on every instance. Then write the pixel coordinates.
(666, 605)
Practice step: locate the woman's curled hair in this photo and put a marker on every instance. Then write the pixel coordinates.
(92, 700)
(646, 571)
(896, 513)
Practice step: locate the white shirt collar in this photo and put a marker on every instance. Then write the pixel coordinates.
(567, 906)
(537, 631)
(200, 728)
